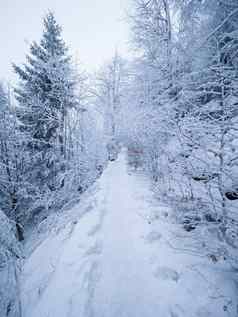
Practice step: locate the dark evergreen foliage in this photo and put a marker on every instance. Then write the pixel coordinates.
(45, 93)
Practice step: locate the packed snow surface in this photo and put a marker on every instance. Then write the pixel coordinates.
(116, 256)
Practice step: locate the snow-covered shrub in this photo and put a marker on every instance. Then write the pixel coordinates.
(10, 254)
(182, 108)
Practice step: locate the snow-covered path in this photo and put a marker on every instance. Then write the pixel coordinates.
(113, 258)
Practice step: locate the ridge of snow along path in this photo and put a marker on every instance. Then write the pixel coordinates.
(114, 258)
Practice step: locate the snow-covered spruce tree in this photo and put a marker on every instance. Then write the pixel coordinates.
(45, 93)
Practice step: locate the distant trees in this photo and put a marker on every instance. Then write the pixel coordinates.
(154, 76)
(109, 93)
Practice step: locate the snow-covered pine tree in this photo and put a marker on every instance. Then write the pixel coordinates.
(45, 93)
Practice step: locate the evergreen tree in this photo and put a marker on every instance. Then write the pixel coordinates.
(45, 92)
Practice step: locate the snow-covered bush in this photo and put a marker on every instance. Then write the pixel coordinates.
(10, 254)
(182, 107)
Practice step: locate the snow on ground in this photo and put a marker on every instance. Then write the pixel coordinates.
(117, 258)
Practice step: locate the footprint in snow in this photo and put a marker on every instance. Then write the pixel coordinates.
(94, 230)
(153, 236)
(166, 273)
(177, 311)
(94, 250)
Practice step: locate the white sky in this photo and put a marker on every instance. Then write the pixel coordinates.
(92, 29)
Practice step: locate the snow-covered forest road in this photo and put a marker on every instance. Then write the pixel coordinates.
(115, 257)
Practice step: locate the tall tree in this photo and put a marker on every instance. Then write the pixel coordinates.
(46, 92)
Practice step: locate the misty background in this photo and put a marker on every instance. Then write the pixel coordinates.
(92, 29)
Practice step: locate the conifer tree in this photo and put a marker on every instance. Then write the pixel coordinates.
(45, 93)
